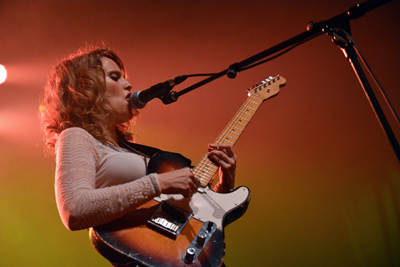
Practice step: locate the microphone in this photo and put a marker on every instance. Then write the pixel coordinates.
(139, 99)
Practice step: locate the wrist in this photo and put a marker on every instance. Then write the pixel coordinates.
(154, 180)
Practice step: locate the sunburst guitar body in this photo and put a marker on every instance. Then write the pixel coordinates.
(174, 231)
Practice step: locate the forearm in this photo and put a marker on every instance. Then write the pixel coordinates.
(85, 207)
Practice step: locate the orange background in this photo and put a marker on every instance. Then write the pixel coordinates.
(325, 181)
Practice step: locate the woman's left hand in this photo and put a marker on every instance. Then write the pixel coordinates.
(224, 157)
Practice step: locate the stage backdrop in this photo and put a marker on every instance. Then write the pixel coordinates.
(324, 180)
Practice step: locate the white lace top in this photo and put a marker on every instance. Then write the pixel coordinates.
(95, 184)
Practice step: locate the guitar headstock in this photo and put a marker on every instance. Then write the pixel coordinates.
(268, 87)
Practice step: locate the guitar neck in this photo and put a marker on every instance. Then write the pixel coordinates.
(205, 169)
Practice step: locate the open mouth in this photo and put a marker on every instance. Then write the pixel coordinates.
(128, 96)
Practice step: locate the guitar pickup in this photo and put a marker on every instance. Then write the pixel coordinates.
(169, 220)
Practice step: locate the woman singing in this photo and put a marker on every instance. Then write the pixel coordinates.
(99, 176)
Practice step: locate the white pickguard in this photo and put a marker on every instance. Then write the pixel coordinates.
(209, 206)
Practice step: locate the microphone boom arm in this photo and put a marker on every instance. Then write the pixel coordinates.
(314, 29)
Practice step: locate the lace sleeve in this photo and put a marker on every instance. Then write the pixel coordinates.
(79, 203)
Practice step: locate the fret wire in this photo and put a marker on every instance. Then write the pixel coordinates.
(244, 112)
(250, 108)
(248, 112)
(234, 133)
(235, 120)
(256, 99)
(258, 96)
(252, 101)
(233, 123)
(241, 124)
(237, 135)
(253, 104)
(206, 169)
(228, 141)
(236, 128)
(241, 117)
(204, 162)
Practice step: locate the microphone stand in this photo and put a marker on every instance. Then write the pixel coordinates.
(315, 29)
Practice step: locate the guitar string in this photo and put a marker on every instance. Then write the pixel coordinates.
(246, 113)
(251, 105)
(206, 166)
(226, 133)
(235, 123)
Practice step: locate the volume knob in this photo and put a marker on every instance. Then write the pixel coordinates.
(201, 238)
(190, 252)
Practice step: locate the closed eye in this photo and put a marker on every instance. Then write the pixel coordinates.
(114, 77)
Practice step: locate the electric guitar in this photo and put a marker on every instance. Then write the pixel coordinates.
(174, 231)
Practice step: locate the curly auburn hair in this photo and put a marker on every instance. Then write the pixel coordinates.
(74, 96)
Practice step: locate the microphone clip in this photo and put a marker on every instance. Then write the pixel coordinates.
(139, 99)
(171, 97)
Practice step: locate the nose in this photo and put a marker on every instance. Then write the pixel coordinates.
(127, 85)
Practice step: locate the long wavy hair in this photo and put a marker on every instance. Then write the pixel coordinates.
(74, 96)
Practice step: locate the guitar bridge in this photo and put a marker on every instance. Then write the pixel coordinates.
(169, 220)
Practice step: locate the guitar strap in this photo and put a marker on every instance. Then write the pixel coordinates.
(147, 150)
(157, 155)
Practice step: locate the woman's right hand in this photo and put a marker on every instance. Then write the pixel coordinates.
(181, 181)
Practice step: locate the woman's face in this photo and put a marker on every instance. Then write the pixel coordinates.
(118, 90)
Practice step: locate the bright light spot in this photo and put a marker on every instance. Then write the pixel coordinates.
(3, 74)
